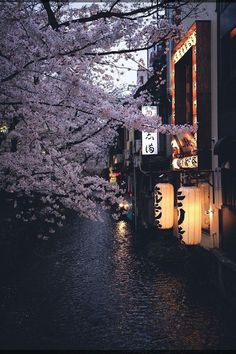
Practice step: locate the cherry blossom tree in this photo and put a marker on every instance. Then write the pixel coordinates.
(57, 104)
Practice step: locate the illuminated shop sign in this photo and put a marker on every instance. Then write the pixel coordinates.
(184, 146)
(185, 162)
(149, 140)
(184, 151)
(149, 143)
(188, 43)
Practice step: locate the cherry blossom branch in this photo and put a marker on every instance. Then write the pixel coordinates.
(91, 135)
(132, 50)
(108, 14)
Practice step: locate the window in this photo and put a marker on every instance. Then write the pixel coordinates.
(183, 91)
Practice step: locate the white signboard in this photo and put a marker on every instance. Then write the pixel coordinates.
(149, 110)
(149, 140)
(149, 143)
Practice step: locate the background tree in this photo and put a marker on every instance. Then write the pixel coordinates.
(56, 104)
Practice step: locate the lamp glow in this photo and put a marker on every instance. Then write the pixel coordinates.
(164, 205)
(189, 215)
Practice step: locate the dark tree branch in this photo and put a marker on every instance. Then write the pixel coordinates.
(108, 14)
(42, 173)
(9, 103)
(114, 4)
(45, 58)
(4, 56)
(51, 17)
(132, 50)
(87, 157)
(149, 84)
(121, 51)
(122, 15)
(92, 18)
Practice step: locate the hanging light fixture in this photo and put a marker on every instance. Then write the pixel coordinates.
(164, 205)
(189, 215)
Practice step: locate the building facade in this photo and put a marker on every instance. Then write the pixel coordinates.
(226, 143)
(193, 175)
(194, 101)
(200, 74)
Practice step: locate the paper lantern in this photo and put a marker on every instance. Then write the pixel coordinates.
(164, 205)
(189, 215)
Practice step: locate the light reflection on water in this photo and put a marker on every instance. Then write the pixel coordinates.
(121, 229)
(122, 255)
(122, 241)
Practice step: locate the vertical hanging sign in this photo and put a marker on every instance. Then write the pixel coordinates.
(149, 140)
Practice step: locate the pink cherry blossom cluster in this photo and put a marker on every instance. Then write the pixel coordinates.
(57, 97)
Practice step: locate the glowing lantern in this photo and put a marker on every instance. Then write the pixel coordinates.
(189, 215)
(116, 174)
(164, 205)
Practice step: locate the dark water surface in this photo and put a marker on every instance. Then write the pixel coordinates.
(95, 288)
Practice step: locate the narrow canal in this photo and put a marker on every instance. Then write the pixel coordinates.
(94, 287)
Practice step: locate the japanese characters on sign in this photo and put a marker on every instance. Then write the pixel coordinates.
(184, 146)
(149, 143)
(190, 41)
(149, 140)
(185, 162)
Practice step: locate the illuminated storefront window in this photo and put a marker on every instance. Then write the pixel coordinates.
(190, 96)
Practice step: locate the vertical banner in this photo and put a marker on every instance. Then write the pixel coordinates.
(149, 140)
